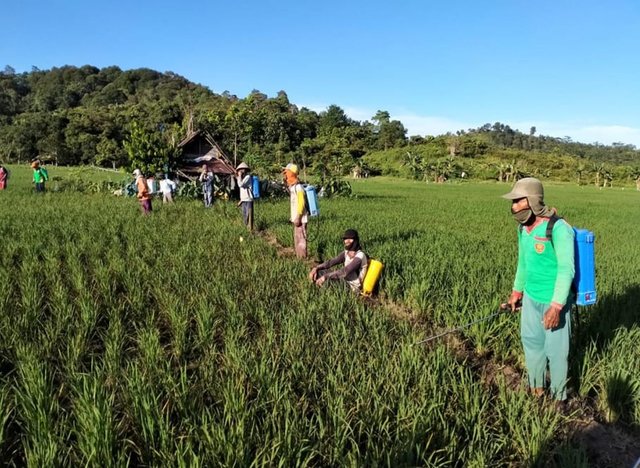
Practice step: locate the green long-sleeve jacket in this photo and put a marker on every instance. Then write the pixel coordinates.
(545, 271)
(40, 175)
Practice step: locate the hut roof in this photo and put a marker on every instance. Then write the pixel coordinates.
(199, 149)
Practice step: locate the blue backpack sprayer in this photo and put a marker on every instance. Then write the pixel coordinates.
(255, 187)
(311, 206)
(311, 199)
(584, 280)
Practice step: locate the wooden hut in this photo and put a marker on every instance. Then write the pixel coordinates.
(199, 149)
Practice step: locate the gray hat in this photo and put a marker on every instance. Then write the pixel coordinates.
(525, 188)
(242, 165)
(531, 189)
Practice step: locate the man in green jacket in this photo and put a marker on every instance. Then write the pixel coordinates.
(542, 286)
(40, 176)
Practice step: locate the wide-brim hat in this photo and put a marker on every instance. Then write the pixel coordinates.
(526, 188)
(243, 165)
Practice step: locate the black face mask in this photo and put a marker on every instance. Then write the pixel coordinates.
(524, 217)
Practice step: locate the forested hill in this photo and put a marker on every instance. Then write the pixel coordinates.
(82, 115)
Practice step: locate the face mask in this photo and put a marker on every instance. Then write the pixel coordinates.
(522, 216)
(290, 178)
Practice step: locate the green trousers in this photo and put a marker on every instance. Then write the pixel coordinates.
(541, 345)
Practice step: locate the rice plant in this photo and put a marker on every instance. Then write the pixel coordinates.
(166, 341)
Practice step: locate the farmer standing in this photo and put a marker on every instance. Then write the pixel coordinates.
(354, 262)
(543, 286)
(246, 194)
(206, 178)
(4, 176)
(40, 176)
(298, 210)
(143, 192)
(167, 187)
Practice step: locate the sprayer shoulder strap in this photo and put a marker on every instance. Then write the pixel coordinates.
(549, 231)
(305, 197)
(552, 222)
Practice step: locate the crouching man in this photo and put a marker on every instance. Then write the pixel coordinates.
(353, 260)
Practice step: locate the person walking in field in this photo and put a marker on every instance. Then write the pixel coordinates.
(206, 179)
(151, 184)
(246, 194)
(143, 192)
(4, 177)
(167, 187)
(353, 260)
(299, 216)
(542, 287)
(40, 176)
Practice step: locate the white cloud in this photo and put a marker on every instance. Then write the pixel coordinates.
(436, 125)
(606, 134)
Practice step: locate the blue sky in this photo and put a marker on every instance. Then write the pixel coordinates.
(569, 68)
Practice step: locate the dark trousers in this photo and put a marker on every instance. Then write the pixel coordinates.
(145, 206)
(39, 186)
(247, 214)
(207, 193)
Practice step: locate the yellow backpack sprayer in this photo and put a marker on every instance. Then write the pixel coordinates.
(371, 278)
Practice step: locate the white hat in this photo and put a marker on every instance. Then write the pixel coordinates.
(242, 165)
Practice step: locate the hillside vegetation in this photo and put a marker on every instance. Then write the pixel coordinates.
(84, 115)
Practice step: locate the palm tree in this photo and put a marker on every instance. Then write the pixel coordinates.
(415, 164)
(437, 171)
(502, 168)
(515, 171)
(598, 169)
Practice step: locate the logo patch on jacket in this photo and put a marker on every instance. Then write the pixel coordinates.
(539, 247)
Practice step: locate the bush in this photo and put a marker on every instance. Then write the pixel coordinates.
(335, 187)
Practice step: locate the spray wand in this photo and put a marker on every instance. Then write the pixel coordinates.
(503, 308)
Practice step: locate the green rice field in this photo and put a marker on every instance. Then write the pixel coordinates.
(179, 339)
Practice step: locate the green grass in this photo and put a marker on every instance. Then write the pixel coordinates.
(167, 341)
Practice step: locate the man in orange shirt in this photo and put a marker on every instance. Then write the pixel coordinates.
(143, 192)
(299, 216)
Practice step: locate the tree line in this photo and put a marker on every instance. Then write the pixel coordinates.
(87, 115)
